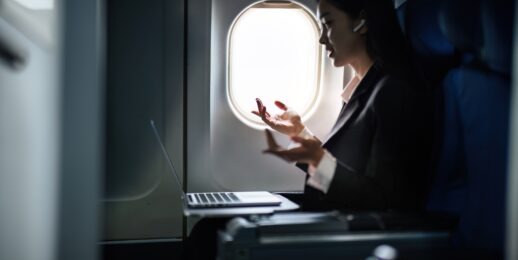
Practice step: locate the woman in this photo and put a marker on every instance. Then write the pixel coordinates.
(376, 154)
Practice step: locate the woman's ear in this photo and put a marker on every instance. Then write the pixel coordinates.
(361, 26)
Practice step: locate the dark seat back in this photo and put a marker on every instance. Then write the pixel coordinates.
(471, 168)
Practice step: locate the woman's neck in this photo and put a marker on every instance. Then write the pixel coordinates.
(362, 64)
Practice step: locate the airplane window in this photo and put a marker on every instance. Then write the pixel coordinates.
(274, 55)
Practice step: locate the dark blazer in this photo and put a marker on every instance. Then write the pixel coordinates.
(381, 141)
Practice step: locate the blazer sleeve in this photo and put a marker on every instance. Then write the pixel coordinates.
(383, 183)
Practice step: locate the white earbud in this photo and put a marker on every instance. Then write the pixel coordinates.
(359, 26)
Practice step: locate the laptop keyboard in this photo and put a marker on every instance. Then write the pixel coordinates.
(214, 198)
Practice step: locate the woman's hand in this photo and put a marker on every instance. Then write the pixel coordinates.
(288, 122)
(310, 150)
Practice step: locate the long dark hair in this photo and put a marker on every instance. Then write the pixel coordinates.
(386, 42)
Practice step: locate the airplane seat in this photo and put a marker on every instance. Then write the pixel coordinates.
(435, 55)
(433, 52)
(471, 169)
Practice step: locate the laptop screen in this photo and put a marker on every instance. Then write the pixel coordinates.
(167, 157)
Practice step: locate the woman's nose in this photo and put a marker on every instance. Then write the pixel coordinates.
(323, 37)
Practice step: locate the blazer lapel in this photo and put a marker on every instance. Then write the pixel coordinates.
(344, 116)
(350, 108)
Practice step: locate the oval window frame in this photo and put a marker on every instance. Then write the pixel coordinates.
(245, 116)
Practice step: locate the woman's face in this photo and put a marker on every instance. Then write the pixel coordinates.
(342, 44)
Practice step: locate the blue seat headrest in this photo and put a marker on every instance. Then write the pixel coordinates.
(433, 51)
(461, 23)
(482, 28)
(423, 30)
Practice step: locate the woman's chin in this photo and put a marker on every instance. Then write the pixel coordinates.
(337, 63)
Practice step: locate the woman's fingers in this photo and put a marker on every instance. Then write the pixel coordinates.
(259, 104)
(299, 140)
(263, 113)
(260, 107)
(291, 155)
(274, 122)
(259, 114)
(309, 152)
(281, 105)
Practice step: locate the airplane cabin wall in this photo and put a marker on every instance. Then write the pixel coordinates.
(146, 78)
(50, 135)
(29, 146)
(144, 81)
(224, 153)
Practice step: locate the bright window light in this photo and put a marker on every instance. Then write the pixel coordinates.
(274, 54)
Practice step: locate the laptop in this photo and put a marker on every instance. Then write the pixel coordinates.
(218, 199)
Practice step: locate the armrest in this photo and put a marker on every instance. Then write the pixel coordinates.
(396, 221)
(305, 235)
